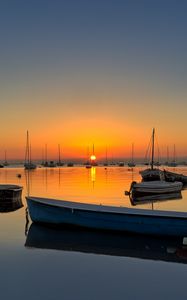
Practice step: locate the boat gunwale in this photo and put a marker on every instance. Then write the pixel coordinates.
(95, 208)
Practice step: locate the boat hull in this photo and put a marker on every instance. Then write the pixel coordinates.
(151, 174)
(130, 220)
(10, 198)
(154, 188)
(171, 176)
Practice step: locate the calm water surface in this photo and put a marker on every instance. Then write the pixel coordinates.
(44, 263)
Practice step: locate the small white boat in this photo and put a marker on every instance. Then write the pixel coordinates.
(154, 187)
(144, 221)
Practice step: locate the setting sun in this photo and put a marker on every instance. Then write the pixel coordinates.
(93, 157)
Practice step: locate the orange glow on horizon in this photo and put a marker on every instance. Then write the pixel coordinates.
(93, 157)
(116, 134)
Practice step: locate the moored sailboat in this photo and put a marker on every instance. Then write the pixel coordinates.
(29, 165)
(6, 162)
(59, 163)
(132, 163)
(173, 163)
(152, 173)
(88, 163)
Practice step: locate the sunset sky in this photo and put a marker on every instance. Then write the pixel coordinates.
(78, 72)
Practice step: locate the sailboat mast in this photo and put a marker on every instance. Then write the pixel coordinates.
(132, 152)
(59, 158)
(27, 152)
(46, 153)
(174, 154)
(153, 146)
(167, 154)
(30, 154)
(88, 155)
(106, 156)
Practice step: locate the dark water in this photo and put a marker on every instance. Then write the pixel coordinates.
(37, 262)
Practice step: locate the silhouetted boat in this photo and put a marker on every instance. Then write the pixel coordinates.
(51, 164)
(6, 162)
(154, 187)
(172, 176)
(10, 197)
(107, 243)
(132, 164)
(59, 163)
(144, 221)
(70, 164)
(155, 198)
(151, 174)
(88, 166)
(173, 163)
(88, 162)
(106, 158)
(29, 165)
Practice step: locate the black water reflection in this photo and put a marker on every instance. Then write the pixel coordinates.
(10, 206)
(107, 243)
(155, 198)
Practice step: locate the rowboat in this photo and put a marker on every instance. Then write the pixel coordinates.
(154, 187)
(166, 249)
(144, 221)
(10, 197)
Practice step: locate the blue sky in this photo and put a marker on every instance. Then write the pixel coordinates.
(71, 55)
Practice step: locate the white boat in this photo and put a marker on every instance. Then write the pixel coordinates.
(144, 221)
(154, 187)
